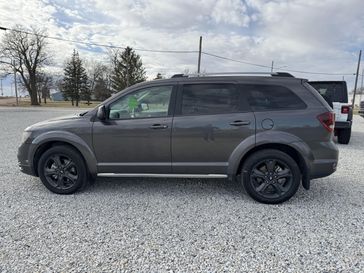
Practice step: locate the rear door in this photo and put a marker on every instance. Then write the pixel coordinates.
(211, 120)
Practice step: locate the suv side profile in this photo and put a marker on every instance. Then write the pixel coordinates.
(268, 132)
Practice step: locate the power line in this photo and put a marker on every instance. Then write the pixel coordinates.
(233, 60)
(266, 66)
(175, 51)
(97, 44)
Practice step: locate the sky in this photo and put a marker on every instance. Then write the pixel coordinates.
(301, 35)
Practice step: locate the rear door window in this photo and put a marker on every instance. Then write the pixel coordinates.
(271, 97)
(205, 99)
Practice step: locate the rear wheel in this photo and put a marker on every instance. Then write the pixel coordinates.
(62, 170)
(343, 135)
(270, 176)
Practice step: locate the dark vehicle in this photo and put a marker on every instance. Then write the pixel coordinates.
(268, 132)
(336, 94)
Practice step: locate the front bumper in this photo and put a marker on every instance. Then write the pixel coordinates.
(23, 161)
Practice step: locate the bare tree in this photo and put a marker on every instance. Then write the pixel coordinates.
(99, 78)
(44, 85)
(95, 71)
(26, 53)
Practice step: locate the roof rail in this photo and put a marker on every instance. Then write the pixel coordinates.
(282, 74)
(273, 74)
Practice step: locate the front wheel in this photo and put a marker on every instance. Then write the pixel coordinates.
(271, 176)
(62, 170)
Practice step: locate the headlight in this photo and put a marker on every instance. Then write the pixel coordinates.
(26, 135)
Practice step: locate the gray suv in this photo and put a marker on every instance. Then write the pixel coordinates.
(268, 132)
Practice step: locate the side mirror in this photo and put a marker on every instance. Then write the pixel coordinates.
(101, 112)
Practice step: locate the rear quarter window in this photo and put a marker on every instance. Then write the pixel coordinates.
(271, 97)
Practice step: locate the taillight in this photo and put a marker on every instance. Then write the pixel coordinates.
(345, 109)
(327, 120)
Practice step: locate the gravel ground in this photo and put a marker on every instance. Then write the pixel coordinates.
(177, 225)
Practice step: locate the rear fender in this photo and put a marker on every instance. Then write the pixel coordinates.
(272, 137)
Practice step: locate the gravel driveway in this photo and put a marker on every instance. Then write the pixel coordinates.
(177, 225)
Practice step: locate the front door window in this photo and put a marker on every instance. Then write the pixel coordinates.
(152, 102)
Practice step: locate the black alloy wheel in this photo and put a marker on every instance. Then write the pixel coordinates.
(62, 169)
(271, 176)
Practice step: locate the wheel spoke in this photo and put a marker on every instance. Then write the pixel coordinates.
(257, 173)
(284, 173)
(57, 160)
(279, 188)
(262, 187)
(70, 176)
(68, 164)
(60, 182)
(271, 164)
(49, 172)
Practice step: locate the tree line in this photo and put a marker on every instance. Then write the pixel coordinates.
(27, 54)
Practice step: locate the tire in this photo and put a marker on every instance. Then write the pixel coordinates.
(343, 136)
(62, 170)
(270, 176)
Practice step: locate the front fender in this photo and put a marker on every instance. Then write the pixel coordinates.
(273, 138)
(69, 138)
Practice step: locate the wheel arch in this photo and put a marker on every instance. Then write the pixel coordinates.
(291, 145)
(50, 139)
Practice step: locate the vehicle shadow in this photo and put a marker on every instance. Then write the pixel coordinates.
(168, 186)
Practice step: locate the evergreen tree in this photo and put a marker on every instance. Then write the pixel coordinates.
(127, 69)
(75, 85)
(101, 89)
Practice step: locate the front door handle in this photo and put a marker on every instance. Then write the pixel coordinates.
(158, 126)
(240, 122)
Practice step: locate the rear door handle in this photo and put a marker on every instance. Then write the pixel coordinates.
(240, 122)
(158, 126)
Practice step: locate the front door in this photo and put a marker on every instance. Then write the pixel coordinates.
(136, 136)
(211, 120)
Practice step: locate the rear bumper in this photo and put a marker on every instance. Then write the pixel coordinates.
(343, 124)
(325, 162)
(322, 168)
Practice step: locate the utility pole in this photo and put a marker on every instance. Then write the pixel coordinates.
(1, 86)
(272, 67)
(15, 85)
(199, 56)
(356, 79)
